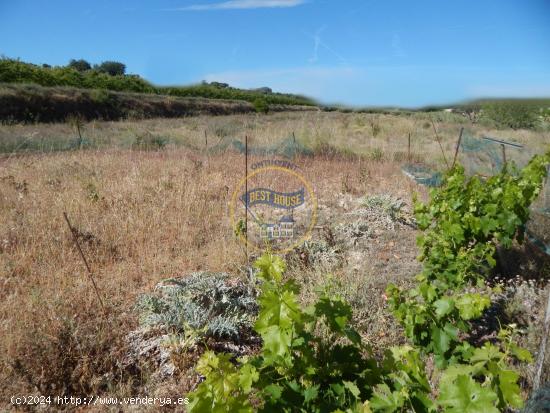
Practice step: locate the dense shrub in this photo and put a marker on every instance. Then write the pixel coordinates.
(512, 114)
(213, 91)
(260, 105)
(14, 71)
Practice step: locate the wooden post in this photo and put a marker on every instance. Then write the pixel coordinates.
(205, 140)
(457, 146)
(75, 239)
(503, 154)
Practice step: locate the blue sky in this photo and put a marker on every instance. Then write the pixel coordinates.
(369, 52)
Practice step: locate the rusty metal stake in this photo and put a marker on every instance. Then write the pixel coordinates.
(90, 274)
(457, 147)
(246, 194)
(409, 149)
(440, 144)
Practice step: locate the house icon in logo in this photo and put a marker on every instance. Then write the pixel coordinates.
(283, 229)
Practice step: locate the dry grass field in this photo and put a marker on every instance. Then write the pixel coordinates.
(375, 135)
(146, 215)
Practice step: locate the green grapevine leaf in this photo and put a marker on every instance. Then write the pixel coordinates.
(464, 395)
(443, 306)
(471, 306)
(510, 390)
(248, 376)
(385, 400)
(311, 393)
(271, 267)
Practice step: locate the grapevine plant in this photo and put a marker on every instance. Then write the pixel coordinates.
(312, 359)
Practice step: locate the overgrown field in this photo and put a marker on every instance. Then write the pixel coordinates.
(149, 201)
(374, 136)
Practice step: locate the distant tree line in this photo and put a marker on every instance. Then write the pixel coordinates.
(111, 75)
(518, 113)
(108, 67)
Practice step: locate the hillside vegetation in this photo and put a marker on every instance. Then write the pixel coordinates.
(511, 113)
(15, 71)
(29, 103)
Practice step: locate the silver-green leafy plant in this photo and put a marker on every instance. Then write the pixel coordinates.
(209, 302)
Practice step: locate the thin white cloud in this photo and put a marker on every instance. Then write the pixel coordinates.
(243, 4)
(318, 42)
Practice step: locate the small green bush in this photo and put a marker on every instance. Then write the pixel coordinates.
(261, 105)
(376, 154)
(149, 142)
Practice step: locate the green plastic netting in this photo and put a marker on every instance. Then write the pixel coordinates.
(482, 156)
(539, 401)
(485, 156)
(423, 175)
(287, 148)
(538, 227)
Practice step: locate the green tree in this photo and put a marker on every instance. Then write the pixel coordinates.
(112, 68)
(81, 65)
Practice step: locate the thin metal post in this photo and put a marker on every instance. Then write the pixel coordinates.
(75, 239)
(409, 149)
(440, 145)
(246, 194)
